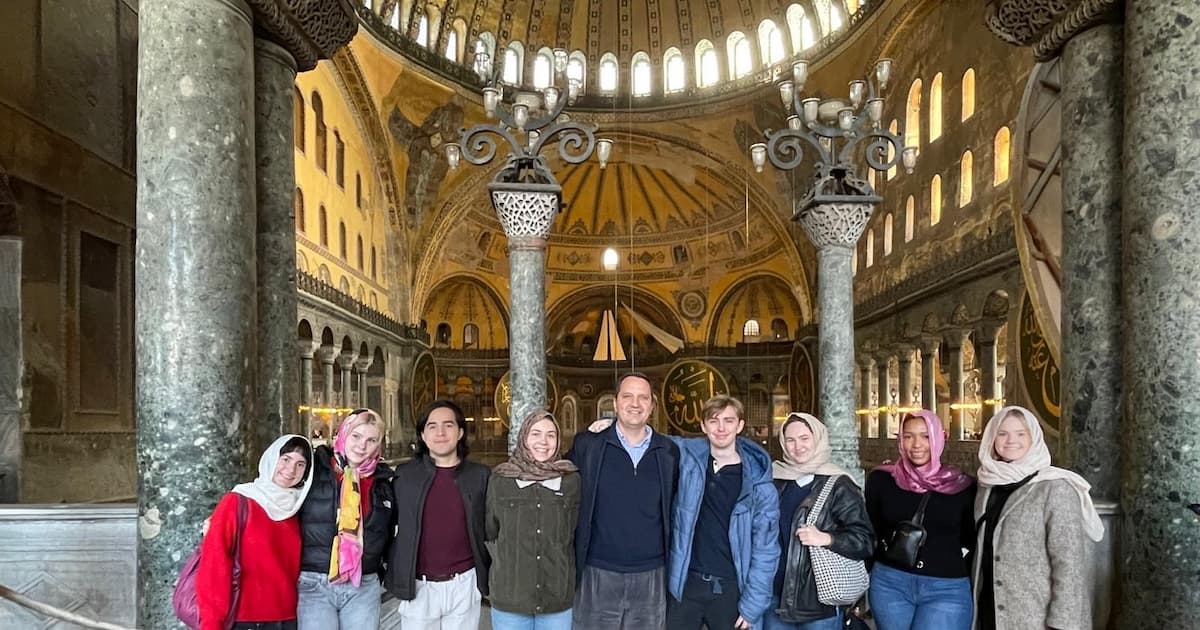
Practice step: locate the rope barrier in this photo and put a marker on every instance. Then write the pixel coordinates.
(57, 613)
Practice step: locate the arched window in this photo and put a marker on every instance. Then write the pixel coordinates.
(1000, 147)
(800, 27)
(359, 254)
(912, 116)
(852, 6)
(888, 234)
(299, 210)
(319, 126)
(910, 218)
(891, 151)
(342, 250)
(750, 330)
(543, 66)
(339, 159)
(674, 72)
(707, 65)
(485, 54)
(935, 200)
(513, 58)
(358, 190)
(837, 19)
(470, 335)
(443, 334)
(608, 73)
(966, 185)
(423, 31)
(738, 49)
(323, 226)
(301, 261)
(298, 119)
(770, 43)
(641, 74)
(577, 69)
(935, 107)
(374, 260)
(870, 247)
(968, 94)
(452, 46)
(324, 275)
(344, 285)
(394, 21)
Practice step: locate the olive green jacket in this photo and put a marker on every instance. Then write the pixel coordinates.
(531, 537)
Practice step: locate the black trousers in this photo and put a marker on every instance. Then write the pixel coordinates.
(707, 600)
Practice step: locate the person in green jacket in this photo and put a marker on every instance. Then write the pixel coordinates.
(532, 508)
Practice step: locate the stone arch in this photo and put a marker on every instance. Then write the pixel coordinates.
(740, 302)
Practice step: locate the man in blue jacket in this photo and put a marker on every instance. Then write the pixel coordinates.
(629, 474)
(725, 526)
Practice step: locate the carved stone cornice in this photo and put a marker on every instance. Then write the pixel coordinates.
(311, 30)
(1047, 25)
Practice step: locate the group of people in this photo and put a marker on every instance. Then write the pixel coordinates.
(638, 530)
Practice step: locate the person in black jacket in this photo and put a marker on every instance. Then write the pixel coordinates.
(842, 524)
(629, 475)
(439, 564)
(345, 527)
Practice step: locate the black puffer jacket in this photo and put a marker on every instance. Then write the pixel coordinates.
(844, 517)
(318, 517)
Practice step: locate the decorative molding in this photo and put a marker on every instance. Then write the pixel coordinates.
(311, 30)
(1047, 25)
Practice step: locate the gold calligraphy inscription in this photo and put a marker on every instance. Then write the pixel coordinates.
(503, 397)
(424, 383)
(689, 384)
(1039, 369)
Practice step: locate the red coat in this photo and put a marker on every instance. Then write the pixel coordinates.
(270, 561)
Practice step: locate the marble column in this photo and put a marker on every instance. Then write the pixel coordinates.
(194, 277)
(865, 365)
(883, 382)
(1161, 268)
(346, 365)
(526, 218)
(360, 374)
(274, 76)
(985, 358)
(929, 372)
(307, 349)
(328, 357)
(11, 366)
(904, 361)
(1091, 256)
(952, 347)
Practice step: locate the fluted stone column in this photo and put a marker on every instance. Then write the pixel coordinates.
(526, 218)
(194, 277)
(985, 358)
(883, 383)
(1161, 267)
(274, 76)
(1091, 257)
(865, 365)
(328, 357)
(834, 228)
(952, 344)
(307, 349)
(904, 361)
(929, 372)
(346, 365)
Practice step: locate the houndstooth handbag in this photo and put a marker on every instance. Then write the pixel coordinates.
(840, 580)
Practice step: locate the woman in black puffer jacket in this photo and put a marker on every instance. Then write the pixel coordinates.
(842, 525)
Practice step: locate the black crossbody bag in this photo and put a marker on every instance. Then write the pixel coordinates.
(904, 549)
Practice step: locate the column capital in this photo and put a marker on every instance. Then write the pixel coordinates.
(904, 352)
(929, 344)
(883, 357)
(1047, 25)
(526, 213)
(346, 360)
(328, 354)
(864, 360)
(363, 365)
(835, 224)
(953, 339)
(309, 30)
(987, 331)
(308, 348)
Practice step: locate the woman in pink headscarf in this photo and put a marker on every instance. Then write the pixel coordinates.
(346, 525)
(929, 586)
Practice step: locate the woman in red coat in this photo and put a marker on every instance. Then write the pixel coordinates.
(269, 552)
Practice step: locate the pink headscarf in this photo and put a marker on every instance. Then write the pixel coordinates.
(931, 476)
(362, 416)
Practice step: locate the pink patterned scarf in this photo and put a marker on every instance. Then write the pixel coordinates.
(345, 561)
(932, 476)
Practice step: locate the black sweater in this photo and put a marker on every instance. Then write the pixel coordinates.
(949, 524)
(318, 517)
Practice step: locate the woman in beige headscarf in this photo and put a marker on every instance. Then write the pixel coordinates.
(1034, 525)
(842, 524)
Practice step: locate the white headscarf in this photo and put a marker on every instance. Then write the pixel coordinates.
(996, 472)
(822, 453)
(278, 503)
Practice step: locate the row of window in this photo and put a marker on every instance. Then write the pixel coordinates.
(323, 234)
(320, 140)
(800, 35)
(1001, 147)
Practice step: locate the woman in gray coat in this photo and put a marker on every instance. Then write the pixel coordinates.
(1034, 525)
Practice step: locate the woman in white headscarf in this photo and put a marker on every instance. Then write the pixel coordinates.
(1034, 525)
(268, 555)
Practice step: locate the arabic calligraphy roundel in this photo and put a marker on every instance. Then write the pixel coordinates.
(689, 384)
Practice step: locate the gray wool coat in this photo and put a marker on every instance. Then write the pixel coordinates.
(1040, 574)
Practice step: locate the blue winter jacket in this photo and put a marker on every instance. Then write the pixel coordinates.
(753, 528)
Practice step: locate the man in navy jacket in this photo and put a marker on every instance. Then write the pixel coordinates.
(623, 538)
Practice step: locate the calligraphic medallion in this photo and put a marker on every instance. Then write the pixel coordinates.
(503, 397)
(801, 380)
(1039, 370)
(688, 385)
(424, 383)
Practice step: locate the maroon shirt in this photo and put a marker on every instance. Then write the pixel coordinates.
(445, 545)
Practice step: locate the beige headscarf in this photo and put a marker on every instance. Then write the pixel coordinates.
(996, 472)
(522, 465)
(789, 469)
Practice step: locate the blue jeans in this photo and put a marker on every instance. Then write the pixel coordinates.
(906, 601)
(325, 606)
(771, 621)
(512, 621)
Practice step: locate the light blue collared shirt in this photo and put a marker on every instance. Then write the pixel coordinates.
(635, 452)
